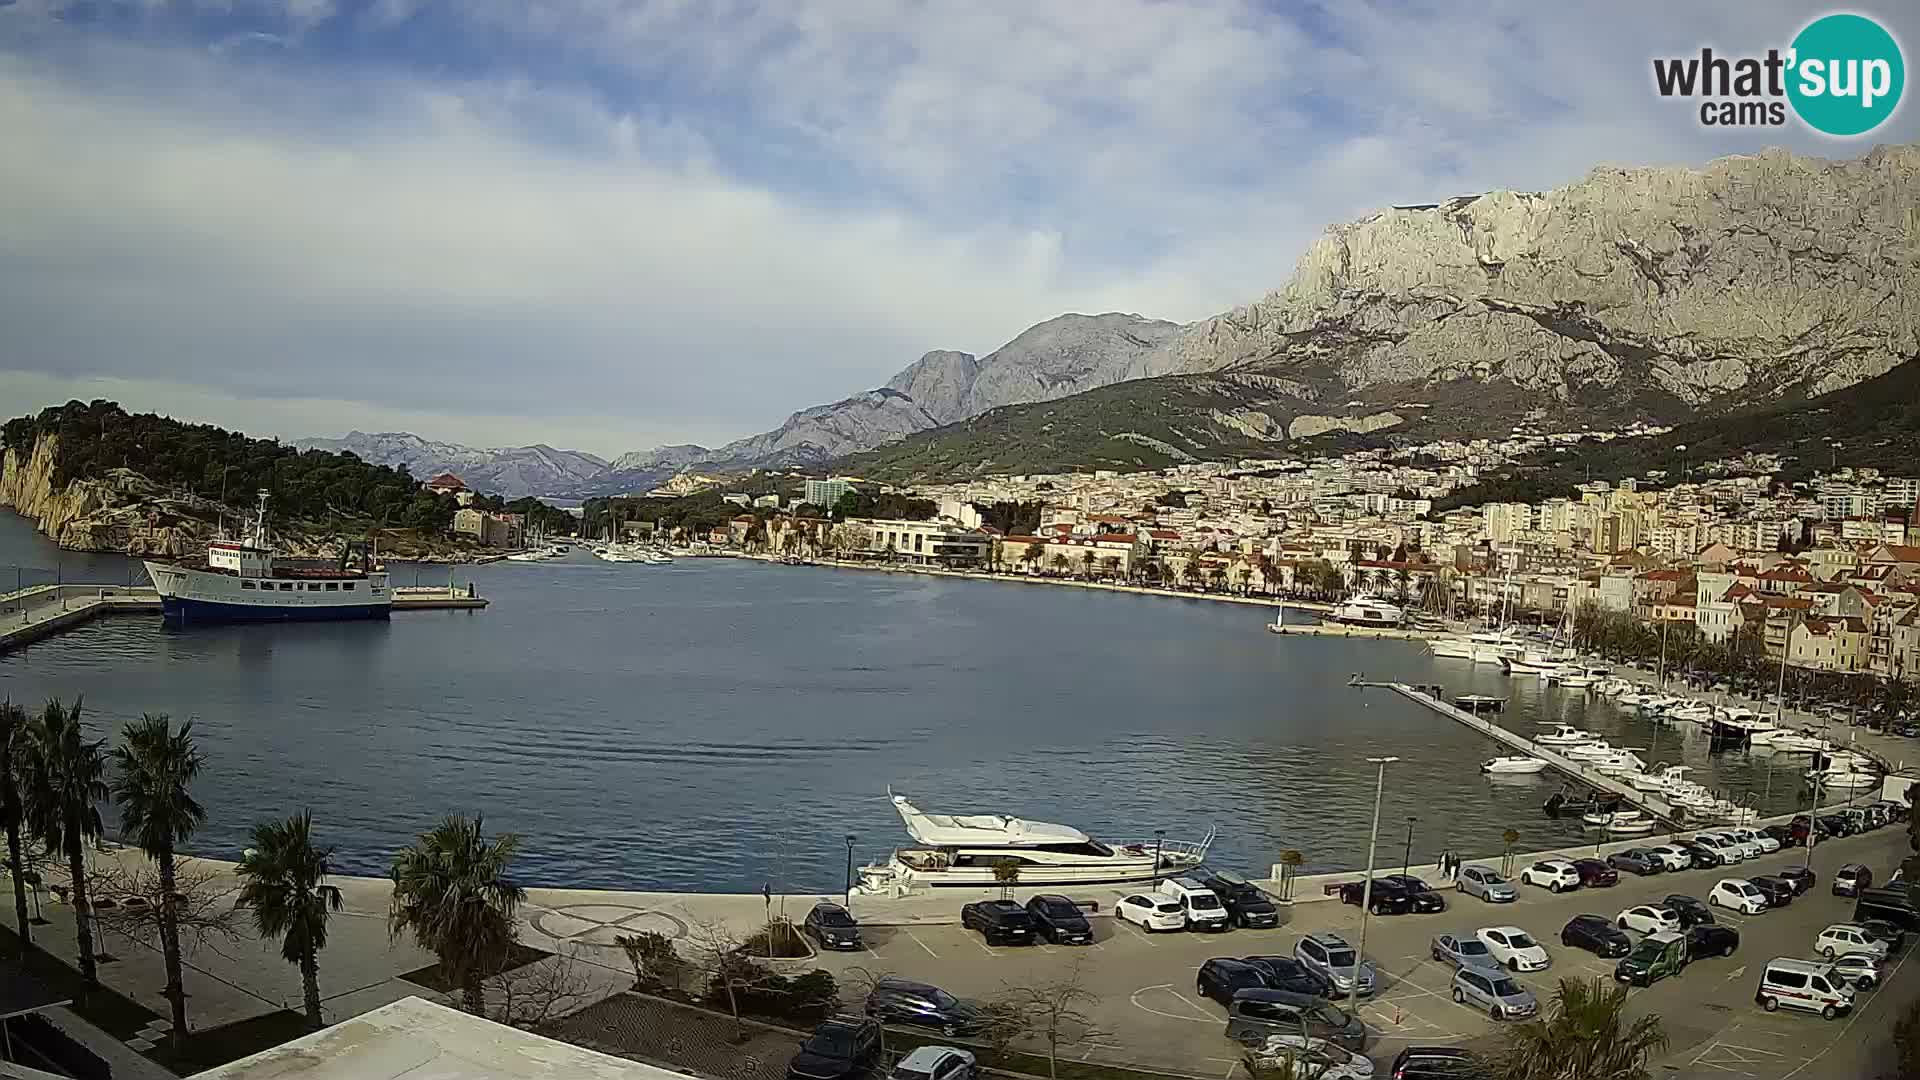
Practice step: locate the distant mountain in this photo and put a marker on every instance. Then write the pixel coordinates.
(508, 471)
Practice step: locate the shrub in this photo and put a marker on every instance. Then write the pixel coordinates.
(779, 936)
(656, 966)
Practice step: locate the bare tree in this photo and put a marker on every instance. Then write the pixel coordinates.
(862, 981)
(129, 901)
(1056, 1012)
(534, 994)
(718, 954)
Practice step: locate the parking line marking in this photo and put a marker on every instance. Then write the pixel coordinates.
(1141, 934)
(984, 947)
(922, 944)
(1134, 998)
(1189, 1001)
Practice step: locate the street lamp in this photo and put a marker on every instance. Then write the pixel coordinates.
(1406, 860)
(1366, 888)
(846, 898)
(1159, 843)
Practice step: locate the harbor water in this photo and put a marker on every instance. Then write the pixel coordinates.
(725, 724)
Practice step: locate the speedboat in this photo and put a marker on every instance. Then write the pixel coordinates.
(1621, 822)
(1512, 764)
(1795, 742)
(1365, 609)
(1563, 735)
(965, 850)
(1590, 752)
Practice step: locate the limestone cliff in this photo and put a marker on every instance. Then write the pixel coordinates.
(119, 512)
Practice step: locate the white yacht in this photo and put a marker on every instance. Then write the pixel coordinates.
(1482, 648)
(1365, 609)
(1563, 735)
(1512, 764)
(962, 850)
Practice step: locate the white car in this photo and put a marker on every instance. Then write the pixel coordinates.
(1767, 844)
(1750, 847)
(1842, 938)
(1552, 875)
(1723, 846)
(1151, 913)
(1738, 894)
(1512, 948)
(1649, 919)
(1672, 857)
(1314, 1057)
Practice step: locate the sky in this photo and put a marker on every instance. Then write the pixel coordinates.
(606, 225)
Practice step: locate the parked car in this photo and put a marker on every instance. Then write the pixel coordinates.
(1596, 874)
(1425, 900)
(1765, 845)
(936, 1063)
(1382, 899)
(1691, 911)
(1728, 851)
(1487, 884)
(1656, 957)
(1596, 935)
(1779, 891)
(1059, 920)
(1434, 1063)
(1500, 994)
(1513, 948)
(1649, 919)
(1637, 861)
(1710, 940)
(1001, 921)
(1222, 977)
(1848, 938)
(1313, 1057)
(838, 1048)
(1863, 970)
(1151, 913)
(1851, 878)
(1255, 1016)
(1799, 984)
(1835, 825)
(1782, 835)
(1247, 905)
(1799, 877)
(1738, 894)
(1890, 906)
(1329, 956)
(1553, 875)
(1886, 931)
(1672, 856)
(1461, 951)
(1704, 857)
(901, 1001)
(1203, 909)
(832, 927)
(1287, 973)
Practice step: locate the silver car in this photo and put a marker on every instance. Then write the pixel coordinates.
(1495, 991)
(1862, 970)
(1461, 952)
(1487, 884)
(1329, 956)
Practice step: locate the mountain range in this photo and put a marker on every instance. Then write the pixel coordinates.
(1663, 294)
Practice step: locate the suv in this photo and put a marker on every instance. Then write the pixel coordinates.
(936, 1063)
(1222, 977)
(1254, 1016)
(1246, 904)
(1552, 875)
(1330, 957)
(901, 1001)
(839, 1048)
(1059, 920)
(832, 926)
(1425, 900)
(1656, 957)
(1850, 879)
(1382, 899)
(1002, 920)
(1204, 910)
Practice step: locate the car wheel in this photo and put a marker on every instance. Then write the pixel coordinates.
(1770, 1004)
(1513, 965)
(1458, 997)
(1436, 954)
(1827, 952)
(1494, 1012)
(1378, 910)
(1623, 924)
(1553, 886)
(1728, 951)
(1829, 1013)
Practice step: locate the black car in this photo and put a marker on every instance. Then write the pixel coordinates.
(1222, 977)
(1059, 920)
(1637, 860)
(1435, 1063)
(839, 1048)
(1704, 857)
(1286, 973)
(901, 1001)
(1782, 833)
(1384, 899)
(1709, 940)
(833, 927)
(1596, 935)
(1891, 906)
(1003, 921)
(1835, 825)
(1691, 911)
(1780, 892)
(1799, 876)
(1425, 900)
(1596, 874)
(1246, 904)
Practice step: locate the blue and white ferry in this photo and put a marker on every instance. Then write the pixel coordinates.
(242, 581)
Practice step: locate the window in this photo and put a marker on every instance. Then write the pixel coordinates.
(1792, 980)
(333, 586)
(246, 584)
(348, 586)
(286, 586)
(1820, 985)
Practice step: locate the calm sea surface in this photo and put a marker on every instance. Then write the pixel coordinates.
(720, 724)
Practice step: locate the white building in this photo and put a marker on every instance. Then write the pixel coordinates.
(940, 542)
(824, 493)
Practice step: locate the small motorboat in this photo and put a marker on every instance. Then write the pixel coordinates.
(1512, 764)
(1479, 703)
(1564, 735)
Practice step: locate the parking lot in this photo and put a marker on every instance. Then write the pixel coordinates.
(1149, 1014)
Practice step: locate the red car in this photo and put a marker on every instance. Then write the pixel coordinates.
(1595, 874)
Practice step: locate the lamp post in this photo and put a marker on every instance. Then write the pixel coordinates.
(1366, 888)
(846, 898)
(1159, 843)
(1406, 859)
(1813, 819)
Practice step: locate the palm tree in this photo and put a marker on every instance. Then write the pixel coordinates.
(450, 889)
(1583, 1036)
(15, 729)
(1086, 563)
(64, 784)
(154, 765)
(286, 888)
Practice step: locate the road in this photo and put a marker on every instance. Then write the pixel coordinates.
(1152, 1017)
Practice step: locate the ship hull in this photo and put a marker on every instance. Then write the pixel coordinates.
(182, 610)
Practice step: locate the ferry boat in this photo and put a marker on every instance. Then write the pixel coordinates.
(243, 581)
(962, 850)
(1365, 609)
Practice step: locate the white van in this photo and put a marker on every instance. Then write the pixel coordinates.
(1802, 984)
(1203, 909)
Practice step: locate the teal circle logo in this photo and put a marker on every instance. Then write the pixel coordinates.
(1847, 74)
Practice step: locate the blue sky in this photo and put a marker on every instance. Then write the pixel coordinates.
(608, 225)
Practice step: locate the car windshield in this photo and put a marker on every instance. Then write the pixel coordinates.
(835, 918)
(1472, 948)
(1331, 1014)
(1339, 958)
(943, 1000)
(1520, 941)
(1648, 951)
(1203, 901)
(836, 1041)
(1504, 987)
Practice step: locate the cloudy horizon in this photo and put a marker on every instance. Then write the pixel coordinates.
(606, 226)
